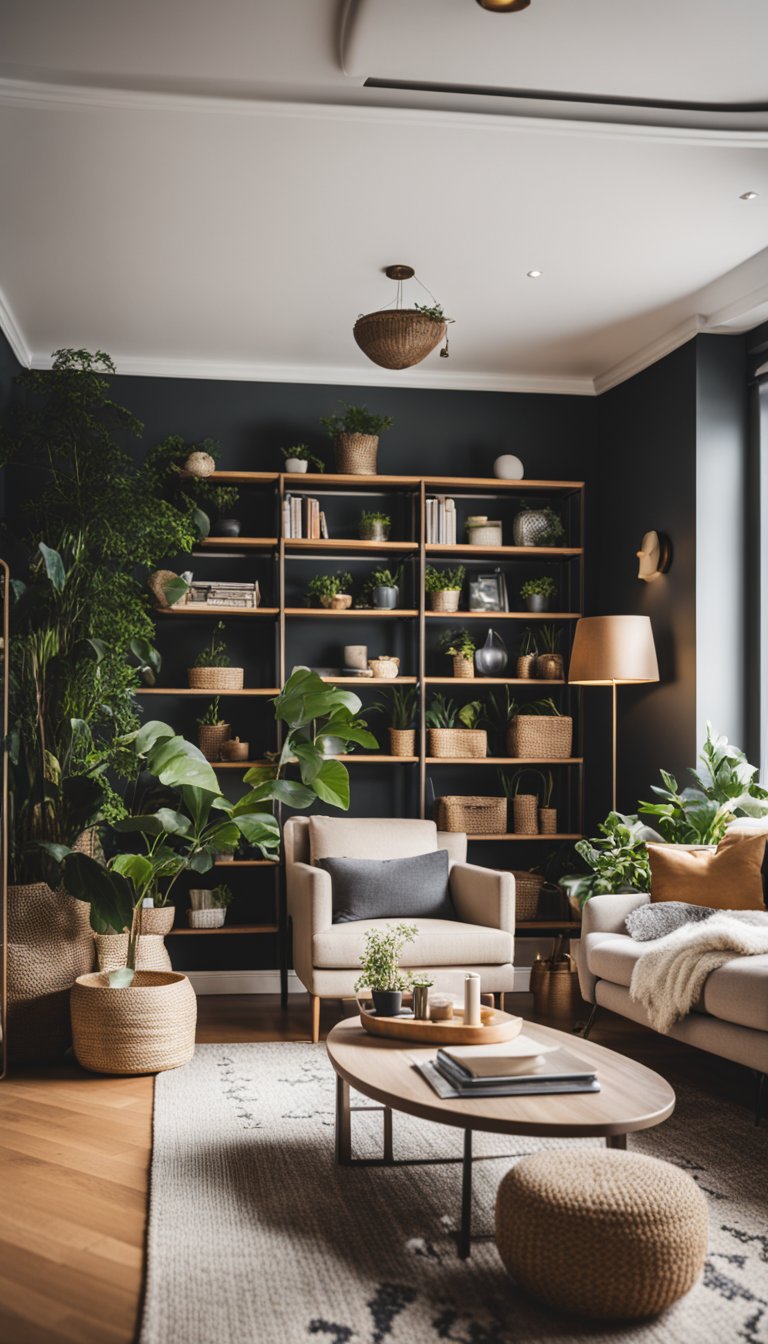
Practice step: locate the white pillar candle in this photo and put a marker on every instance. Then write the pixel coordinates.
(472, 1000)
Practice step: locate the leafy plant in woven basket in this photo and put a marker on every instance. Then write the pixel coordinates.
(453, 731)
(399, 706)
(211, 670)
(355, 432)
(213, 730)
(443, 586)
(460, 646)
(331, 590)
(214, 653)
(380, 970)
(549, 663)
(540, 729)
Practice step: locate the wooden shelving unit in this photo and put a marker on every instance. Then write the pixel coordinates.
(419, 627)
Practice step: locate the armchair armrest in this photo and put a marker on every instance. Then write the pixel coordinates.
(606, 914)
(483, 896)
(310, 909)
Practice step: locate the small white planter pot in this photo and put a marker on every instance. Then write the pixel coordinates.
(296, 465)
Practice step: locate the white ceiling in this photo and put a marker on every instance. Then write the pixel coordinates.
(213, 191)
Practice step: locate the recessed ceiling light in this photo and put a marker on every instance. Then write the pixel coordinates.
(504, 6)
(533, 275)
(748, 196)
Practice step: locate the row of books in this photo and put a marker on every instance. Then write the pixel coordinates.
(303, 517)
(224, 594)
(516, 1068)
(440, 520)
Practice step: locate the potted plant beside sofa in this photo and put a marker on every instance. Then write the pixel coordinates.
(380, 967)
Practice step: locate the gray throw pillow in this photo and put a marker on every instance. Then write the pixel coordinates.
(656, 920)
(390, 888)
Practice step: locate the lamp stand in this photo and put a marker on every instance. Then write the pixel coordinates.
(613, 746)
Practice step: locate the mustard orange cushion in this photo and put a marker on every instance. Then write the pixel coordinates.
(728, 878)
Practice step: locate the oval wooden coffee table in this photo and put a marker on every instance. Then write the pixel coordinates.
(632, 1097)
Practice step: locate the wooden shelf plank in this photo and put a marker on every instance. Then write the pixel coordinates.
(370, 681)
(345, 544)
(490, 483)
(505, 760)
(491, 616)
(561, 835)
(246, 477)
(192, 609)
(494, 483)
(225, 928)
(294, 480)
(188, 690)
(529, 552)
(373, 613)
(365, 758)
(236, 543)
(494, 681)
(246, 863)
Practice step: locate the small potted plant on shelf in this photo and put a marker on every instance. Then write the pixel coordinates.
(526, 658)
(549, 663)
(333, 591)
(453, 732)
(537, 593)
(385, 588)
(234, 750)
(460, 646)
(355, 432)
(537, 527)
(375, 526)
(401, 708)
(525, 805)
(380, 967)
(443, 587)
(298, 458)
(209, 906)
(547, 813)
(211, 669)
(500, 711)
(212, 731)
(540, 730)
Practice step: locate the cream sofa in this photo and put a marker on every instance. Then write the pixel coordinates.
(731, 1018)
(326, 956)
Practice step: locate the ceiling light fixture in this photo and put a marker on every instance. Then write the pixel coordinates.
(533, 275)
(398, 337)
(748, 196)
(504, 6)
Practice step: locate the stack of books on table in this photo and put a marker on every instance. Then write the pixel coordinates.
(223, 594)
(521, 1067)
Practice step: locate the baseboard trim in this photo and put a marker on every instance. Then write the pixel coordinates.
(268, 982)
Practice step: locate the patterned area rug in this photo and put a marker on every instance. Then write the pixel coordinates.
(257, 1237)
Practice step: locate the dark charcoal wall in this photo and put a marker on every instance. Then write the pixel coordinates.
(9, 367)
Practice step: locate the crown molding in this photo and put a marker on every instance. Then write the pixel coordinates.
(12, 332)
(649, 354)
(738, 314)
(140, 367)
(44, 94)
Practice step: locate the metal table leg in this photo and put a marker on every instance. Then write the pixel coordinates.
(616, 1141)
(343, 1123)
(465, 1232)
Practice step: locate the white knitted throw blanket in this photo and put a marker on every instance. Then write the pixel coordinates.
(668, 979)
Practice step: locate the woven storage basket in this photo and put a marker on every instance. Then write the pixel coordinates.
(216, 678)
(548, 820)
(151, 955)
(555, 987)
(526, 665)
(475, 815)
(463, 667)
(527, 893)
(50, 943)
(402, 741)
(210, 737)
(539, 735)
(356, 454)
(146, 1028)
(212, 918)
(158, 919)
(524, 814)
(445, 599)
(458, 742)
(549, 666)
(397, 338)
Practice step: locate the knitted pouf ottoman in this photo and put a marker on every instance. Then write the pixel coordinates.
(603, 1233)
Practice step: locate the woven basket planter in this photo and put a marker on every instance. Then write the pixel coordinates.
(458, 742)
(525, 819)
(527, 894)
(538, 735)
(402, 741)
(212, 918)
(216, 678)
(548, 820)
(397, 338)
(211, 737)
(475, 815)
(158, 919)
(463, 667)
(151, 954)
(146, 1028)
(356, 454)
(525, 666)
(50, 944)
(445, 599)
(550, 667)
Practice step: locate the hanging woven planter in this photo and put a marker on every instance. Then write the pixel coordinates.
(397, 338)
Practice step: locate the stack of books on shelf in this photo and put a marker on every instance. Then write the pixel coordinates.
(223, 594)
(517, 1068)
(303, 517)
(440, 518)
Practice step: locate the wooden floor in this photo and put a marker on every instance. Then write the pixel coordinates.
(74, 1164)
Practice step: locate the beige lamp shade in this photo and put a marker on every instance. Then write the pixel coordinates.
(613, 650)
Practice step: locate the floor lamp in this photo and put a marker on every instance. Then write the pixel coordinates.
(613, 651)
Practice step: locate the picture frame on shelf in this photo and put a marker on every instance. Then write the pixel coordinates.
(488, 592)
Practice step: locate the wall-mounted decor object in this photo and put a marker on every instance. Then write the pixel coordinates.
(508, 468)
(654, 556)
(398, 337)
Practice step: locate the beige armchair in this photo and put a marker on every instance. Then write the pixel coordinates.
(326, 956)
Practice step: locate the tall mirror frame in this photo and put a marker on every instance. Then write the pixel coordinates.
(5, 583)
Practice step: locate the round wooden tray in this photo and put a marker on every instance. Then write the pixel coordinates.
(496, 1027)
